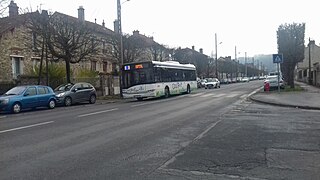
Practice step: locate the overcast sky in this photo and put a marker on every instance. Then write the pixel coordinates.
(250, 25)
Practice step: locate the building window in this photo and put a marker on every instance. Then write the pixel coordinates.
(105, 66)
(17, 66)
(34, 41)
(104, 50)
(93, 65)
(305, 73)
(35, 63)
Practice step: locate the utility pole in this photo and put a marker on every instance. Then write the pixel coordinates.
(235, 58)
(309, 47)
(216, 47)
(245, 63)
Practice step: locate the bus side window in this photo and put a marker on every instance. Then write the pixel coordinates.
(157, 75)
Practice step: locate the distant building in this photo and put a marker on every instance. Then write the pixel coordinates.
(302, 68)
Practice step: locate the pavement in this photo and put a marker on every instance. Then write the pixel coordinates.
(309, 98)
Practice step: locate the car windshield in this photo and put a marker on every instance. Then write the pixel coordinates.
(64, 87)
(15, 91)
(211, 80)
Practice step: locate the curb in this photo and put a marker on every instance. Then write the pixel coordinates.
(284, 105)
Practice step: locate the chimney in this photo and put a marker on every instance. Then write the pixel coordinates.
(81, 13)
(136, 32)
(13, 9)
(103, 24)
(312, 42)
(192, 47)
(116, 26)
(201, 50)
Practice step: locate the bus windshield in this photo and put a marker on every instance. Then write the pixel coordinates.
(141, 76)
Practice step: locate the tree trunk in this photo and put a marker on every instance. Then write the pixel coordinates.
(68, 71)
(41, 60)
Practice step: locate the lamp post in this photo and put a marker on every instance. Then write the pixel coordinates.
(245, 63)
(216, 62)
(121, 41)
(309, 48)
(215, 35)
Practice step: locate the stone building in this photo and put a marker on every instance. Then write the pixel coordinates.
(17, 57)
(302, 69)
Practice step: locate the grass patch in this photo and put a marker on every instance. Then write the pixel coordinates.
(296, 88)
(114, 97)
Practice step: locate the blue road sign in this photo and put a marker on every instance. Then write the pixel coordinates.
(277, 58)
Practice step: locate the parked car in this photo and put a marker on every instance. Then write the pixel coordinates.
(272, 82)
(68, 94)
(203, 82)
(27, 97)
(245, 79)
(212, 83)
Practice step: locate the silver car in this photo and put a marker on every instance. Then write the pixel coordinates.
(68, 94)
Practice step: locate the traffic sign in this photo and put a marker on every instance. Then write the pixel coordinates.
(277, 58)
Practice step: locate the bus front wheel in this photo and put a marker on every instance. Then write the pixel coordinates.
(166, 92)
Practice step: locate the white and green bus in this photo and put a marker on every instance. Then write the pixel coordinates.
(155, 79)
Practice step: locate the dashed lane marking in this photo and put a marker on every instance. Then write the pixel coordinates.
(195, 95)
(98, 112)
(25, 127)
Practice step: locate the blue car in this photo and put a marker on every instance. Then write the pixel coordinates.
(27, 97)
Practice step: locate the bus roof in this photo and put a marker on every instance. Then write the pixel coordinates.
(173, 64)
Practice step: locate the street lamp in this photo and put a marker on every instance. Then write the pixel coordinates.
(245, 63)
(121, 40)
(216, 47)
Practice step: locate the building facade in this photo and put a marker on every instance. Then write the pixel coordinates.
(310, 62)
(17, 57)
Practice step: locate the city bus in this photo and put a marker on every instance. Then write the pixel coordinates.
(156, 79)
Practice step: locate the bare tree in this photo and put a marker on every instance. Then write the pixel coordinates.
(3, 6)
(70, 40)
(38, 28)
(158, 51)
(134, 47)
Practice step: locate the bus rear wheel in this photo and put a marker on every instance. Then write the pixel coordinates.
(188, 89)
(166, 92)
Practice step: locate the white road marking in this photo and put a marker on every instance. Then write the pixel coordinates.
(201, 135)
(207, 95)
(98, 112)
(25, 127)
(1, 117)
(195, 95)
(218, 95)
(232, 95)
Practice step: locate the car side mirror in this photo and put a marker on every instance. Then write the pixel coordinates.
(75, 90)
(26, 94)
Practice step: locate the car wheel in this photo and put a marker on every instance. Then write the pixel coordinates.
(188, 89)
(67, 101)
(166, 92)
(16, 108)
(92, 99)
(52, 104)
(139, 98)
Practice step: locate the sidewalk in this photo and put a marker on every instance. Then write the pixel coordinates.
(307, 99)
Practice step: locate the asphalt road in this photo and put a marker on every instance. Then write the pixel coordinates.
(125, 140)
